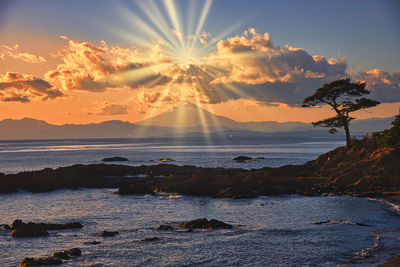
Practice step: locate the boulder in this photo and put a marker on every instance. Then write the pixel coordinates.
(73, 252)
(164, 227)
(205, 224)
(21, 229)
(106, 233)
(40, 261)
(114, 159)
(244, 159)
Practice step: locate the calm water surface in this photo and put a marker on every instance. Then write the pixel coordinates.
(25, 155)
(268, 231)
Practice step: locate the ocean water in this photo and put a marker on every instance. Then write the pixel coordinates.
(268, 231)
(26, 155)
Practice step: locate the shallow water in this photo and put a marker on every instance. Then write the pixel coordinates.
(268, 231)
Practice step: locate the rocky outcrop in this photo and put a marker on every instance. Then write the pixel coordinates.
(53, 259)
(31, 229)
(164, 227)
(25, 262)
(109, 233)
(205, 224)
(114, 159)
(73, 252)
(244, 159)
(369, 168)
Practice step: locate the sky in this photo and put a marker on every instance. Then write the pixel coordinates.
(91, 61)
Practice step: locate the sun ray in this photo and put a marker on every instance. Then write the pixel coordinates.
(154, 14)
(200, 24)
(173, 15)
(178, 69)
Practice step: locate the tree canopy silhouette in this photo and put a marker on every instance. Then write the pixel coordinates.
(341, 95)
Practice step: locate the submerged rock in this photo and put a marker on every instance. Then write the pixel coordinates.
(341, 222)
(4, 227)
(164, 227)
(92, 242)
(167, 160)
(242, 159)
(109, 233)
(205, 224)
(25, 262)
(114, 159)
(73, 252)
(31, 229)
(237, 192)
(149, 239)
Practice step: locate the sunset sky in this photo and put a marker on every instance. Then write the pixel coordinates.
(91, 61)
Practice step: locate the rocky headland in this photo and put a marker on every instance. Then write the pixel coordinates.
(369, 168)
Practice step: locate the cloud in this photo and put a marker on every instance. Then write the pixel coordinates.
(265, 72)
(15, 87)
(13, 52)
(177, 34)
(384, 86)
(95, 68)
(113, 109)
(248, 66)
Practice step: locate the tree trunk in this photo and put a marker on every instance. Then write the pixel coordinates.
(347, 131)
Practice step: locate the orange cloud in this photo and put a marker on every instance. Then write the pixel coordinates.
(247, 66)
(13, 52)
(113, 109)
(15, 87)
(384, 86)
(89, 67)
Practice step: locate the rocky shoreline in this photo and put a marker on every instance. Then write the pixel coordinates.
(369, 168)
(362, 172)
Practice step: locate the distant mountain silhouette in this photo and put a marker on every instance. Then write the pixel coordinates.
(192, 116)
(183, 121)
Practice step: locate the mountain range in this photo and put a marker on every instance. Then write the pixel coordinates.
(187, 120)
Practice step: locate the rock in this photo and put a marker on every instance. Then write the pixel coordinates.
(109, 233)
(237, 192)
(137, 188)
(40, 261)
(4, 227)
(242, 159)
(31, 229)
(74, 252)
(167, 160)
(21, 229)
(341, 222)
(260, 158)
(114, 159)
(93, 243)
(163, 227)
(205, 224)
(149, 239)
(61, 226)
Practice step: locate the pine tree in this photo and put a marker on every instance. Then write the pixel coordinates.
(341, 95)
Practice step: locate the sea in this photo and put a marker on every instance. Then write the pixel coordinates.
(267, 231)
